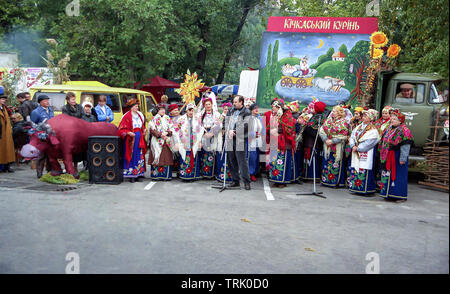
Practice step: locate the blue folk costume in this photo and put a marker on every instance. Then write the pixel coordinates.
(282, 168)
(365, 137)
(255, 143)
(135, 147)
(188, 145)
(211, 139)
(161, 156)
(394, 148)
(335, 129)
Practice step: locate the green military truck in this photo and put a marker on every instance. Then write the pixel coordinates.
(419, 110)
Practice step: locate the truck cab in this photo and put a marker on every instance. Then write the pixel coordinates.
(419, 101)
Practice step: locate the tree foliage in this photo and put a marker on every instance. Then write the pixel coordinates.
(120, 42)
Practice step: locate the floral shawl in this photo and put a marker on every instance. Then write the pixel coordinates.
(381, 124)
(313, 122)
(287, 122)
(393, 138)
(335, 128)
(160, 124)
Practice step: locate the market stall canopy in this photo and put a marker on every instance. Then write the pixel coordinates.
(157, 86)
(205, 88)
(225, 90)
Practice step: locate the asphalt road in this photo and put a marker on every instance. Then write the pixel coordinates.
(190, 228)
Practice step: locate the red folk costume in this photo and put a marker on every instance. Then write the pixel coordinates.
(125, 126)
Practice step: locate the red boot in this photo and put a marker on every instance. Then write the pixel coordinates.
(253, 178)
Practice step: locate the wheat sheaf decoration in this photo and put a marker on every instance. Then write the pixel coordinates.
(190, 89)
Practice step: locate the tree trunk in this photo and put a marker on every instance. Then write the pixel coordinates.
(227, 59)
(201, 55)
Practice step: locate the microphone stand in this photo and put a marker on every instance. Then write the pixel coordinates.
(224, 186)
(313, 157)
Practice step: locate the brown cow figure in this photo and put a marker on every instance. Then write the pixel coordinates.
(63, 136)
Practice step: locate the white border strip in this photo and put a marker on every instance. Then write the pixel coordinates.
(149, 186)
(269, 195)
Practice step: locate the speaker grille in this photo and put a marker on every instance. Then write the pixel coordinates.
(105, 160)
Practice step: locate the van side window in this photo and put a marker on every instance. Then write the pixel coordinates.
(150, 103)
(124, 98)
(57, 100)
(112, 100)
(435, 97)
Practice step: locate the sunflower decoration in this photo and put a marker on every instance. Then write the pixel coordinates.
(378, 39)
(382, 57)
(377, 53)
(190, 89)
(378, 47)
(393, 51)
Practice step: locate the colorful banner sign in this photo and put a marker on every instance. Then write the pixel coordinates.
(334, 25)
(314, 58)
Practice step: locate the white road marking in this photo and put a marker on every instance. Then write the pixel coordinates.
(149, 186)
(269, 195)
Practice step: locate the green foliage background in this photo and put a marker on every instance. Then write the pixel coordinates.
(119, 42)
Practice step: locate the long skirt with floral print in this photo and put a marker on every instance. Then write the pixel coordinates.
(161, 172)
(362, 181)
(220, 163)
(333, 172)
(136, 167)
(186, 171)
(398, 189)
(207, 164)
(282, 169)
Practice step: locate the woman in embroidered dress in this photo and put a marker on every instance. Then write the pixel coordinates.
(220, 156)
(357, 117)
(161, 156)
(282, 168)
(189, 144)
(381, 124)
(394, 151)
(363, 140)
(212, 125)
(334, 133)
(320, 114)
(132, 131)
(299, 128)
(255, 141)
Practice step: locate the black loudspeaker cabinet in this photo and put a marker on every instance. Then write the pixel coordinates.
(105, 160)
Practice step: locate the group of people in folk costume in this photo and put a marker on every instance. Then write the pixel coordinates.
(357, 151)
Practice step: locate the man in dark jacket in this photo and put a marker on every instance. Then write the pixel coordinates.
(237, 125)
(72, 108)
(26, 105)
